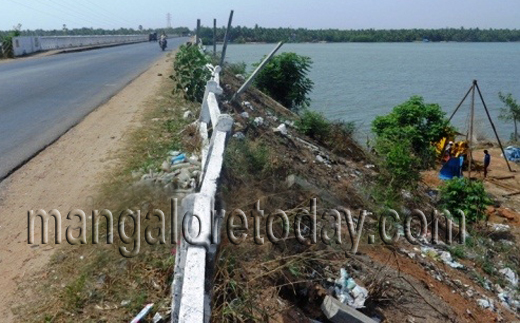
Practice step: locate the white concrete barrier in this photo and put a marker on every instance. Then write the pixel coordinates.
(27, 44)
(191, 283)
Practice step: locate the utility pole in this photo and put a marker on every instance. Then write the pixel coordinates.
(215, 37)
(472, 118)
(228, 33)
(197, 33)
(168, 20)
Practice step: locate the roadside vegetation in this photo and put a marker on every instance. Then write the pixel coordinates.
(6, 41)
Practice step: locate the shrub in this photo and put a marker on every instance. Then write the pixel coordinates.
(420, 123)
(191, 73)
(237, 68)
(247, 157)
(285, 79)
(314, 125)
(398, 166)
(466, 195)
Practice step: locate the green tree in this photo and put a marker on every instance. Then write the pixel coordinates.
(510, 111)
(285, 79)
(466, 195)
(419, 123)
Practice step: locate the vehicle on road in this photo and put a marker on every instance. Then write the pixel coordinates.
(163, 43)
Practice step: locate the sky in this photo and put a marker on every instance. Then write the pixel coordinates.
(312, 14)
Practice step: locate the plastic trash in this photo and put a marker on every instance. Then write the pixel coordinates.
(281, 129)
(142, 314)
(510, 275)
(348, 292)
(178, 159)
(444, 256)
(239, 136)
(258, 121)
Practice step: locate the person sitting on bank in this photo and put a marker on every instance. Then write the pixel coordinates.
(487, 161)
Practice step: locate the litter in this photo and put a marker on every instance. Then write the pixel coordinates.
(157, 318)
(244, 115)
(281, 129)
(510, 275)
(178, 159)
(444, 256)
(142, 314)
(348, 292)
(485, 303)
(497, 227)
(258, 121)
(239, 136)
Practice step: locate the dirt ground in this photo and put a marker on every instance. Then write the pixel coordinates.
(64, 177)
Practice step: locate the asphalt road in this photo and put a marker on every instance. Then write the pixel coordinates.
(41, 98)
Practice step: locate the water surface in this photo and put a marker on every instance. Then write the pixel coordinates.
(358, 81)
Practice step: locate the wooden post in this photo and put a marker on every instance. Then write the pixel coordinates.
(460, 104)
(228, 33)
(257, 70)
(470, 148)
(493, 126)
(197, 35)
(215, 37)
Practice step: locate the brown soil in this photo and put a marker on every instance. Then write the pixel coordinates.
(66, 176)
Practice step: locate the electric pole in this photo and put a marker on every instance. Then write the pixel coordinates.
(168, 20)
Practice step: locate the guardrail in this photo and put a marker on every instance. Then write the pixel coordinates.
(25, 45)
(194, 263)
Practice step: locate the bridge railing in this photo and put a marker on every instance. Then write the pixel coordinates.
(25, 45)
(194, 259)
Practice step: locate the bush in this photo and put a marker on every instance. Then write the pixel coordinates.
(399, 167)
(314, 125)
(285, 79)
(191, 73)
(247, 158)
(237, 68)
(466, 195)
(420, 123)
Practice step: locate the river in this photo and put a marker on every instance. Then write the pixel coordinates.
(359, 81)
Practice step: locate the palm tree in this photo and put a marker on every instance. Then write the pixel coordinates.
(510, 111)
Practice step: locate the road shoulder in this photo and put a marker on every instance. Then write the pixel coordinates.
(65, 176)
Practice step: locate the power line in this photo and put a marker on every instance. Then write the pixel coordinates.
(101, 13)
(58, 6)
(104, 10)
(40, 11)
(68, 6)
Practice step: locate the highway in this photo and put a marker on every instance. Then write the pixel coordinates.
(41, 98)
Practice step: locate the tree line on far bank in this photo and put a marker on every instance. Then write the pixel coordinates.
(241, 34)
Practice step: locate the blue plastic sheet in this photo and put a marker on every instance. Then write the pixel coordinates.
(512, 154)
(452, 168)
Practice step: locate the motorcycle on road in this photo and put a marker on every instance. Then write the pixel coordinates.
(163, 43)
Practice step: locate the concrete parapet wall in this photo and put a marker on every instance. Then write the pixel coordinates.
(191, 295)
(28, 44)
